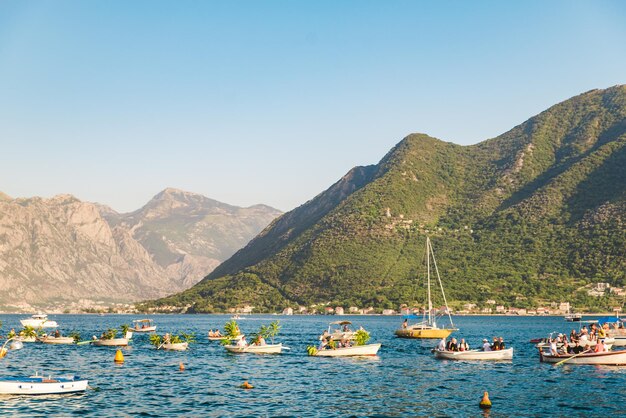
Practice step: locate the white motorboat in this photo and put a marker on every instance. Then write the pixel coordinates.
(573, 317)
(57, 340)
(506, 354)
(175, 346)
(610, 358)
(255, 349)
(39, 321)
(357, 350)
(40, 385)
(113, 342)
(143, 325)
(338, 330)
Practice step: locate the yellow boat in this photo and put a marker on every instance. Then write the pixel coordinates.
(424, 331)
(428, 327)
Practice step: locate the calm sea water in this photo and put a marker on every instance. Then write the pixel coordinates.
(403, 380)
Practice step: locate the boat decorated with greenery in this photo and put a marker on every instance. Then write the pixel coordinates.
(109, 338)
(257, 343)
(172, 342)
(428, 327)
(355, 346)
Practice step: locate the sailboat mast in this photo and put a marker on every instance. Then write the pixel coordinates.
(430, 302)
(445, 301)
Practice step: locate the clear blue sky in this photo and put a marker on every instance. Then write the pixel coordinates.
(273, 101)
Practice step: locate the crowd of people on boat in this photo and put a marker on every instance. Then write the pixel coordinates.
(455, 345)
(590, 339)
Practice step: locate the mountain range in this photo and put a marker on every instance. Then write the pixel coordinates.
(529, 216)
(65, 252)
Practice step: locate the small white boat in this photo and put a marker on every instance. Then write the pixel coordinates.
(619, 341)
(255, 349)
(113, 342)
(357, 350)
(573, 317)
(40, 385)
(57, 340)
(39, 321)
(26, 339)
(220, 338)
(143, 325)
(609, 358)
(506, 354)
(175, 346)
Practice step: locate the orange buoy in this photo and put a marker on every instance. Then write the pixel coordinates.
(119, 357)
(485, 403)
(246, 385)
(181, 366)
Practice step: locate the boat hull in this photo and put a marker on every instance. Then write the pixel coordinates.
(216, 338)
(425, 333)
(146, 329)
(115, 342)
(58, 340)
(255, 349)
(608, 358)
(37, 323)
(41, 386)
(496, 355)
(175, 346)
(359, 350)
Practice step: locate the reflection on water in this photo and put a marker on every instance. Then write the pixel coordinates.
(404, 380)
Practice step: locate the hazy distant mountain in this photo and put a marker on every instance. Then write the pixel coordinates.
(528, 216)
(62, 250)
(189, 234)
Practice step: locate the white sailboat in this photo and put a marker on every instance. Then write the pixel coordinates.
(428, 327)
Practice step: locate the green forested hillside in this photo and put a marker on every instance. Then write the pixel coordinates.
(529, 216)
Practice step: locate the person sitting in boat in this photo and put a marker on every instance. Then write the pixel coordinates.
(405, 324)
(453, 345)
(602, 331)
(241, 342)
(573, 336)
(501, 345)
(211, 333)
(553, 348)
(166, 338)
(565, 348)
(463, 346)
(324, 335)
(442, 344)
(486, 345)
(577, 348)
(600, 346)
(260, 340)
(346, 328)
(57, 334)
(495, 345)
(217, 333)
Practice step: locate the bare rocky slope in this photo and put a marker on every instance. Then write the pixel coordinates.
(65, 252)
